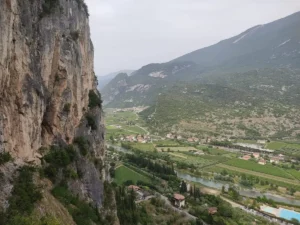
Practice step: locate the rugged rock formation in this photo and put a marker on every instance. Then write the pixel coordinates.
(46, 75)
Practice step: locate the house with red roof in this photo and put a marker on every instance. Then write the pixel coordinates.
(179, 200)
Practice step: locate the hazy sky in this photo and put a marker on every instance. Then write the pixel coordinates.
(128, 34)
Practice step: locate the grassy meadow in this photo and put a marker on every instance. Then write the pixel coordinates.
(124, 173)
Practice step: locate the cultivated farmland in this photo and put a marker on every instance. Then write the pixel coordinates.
(253, 166)
(124, 173)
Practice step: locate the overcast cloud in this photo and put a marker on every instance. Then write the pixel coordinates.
(128, 34)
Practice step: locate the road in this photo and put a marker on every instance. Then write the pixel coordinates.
(268, 176)
(175, 208)
(254, 212)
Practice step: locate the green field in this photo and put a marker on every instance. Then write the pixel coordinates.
(294, 173)
(128, 122)
(177, 149)
(167, 142)
(143, 146)
(246, 141)
(198, 161)
(280, 181)
(277, 145)
(212, 151)
(253, 166)
(123, 174)
(215, 157)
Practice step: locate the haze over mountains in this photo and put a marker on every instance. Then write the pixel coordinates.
(104, 80)
(260, 64)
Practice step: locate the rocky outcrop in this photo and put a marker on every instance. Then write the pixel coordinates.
(46, 75)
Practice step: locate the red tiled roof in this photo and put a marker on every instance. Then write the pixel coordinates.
(179, 197)
(134, 187)
(212, 210)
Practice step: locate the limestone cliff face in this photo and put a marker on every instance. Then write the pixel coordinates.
(46, 73)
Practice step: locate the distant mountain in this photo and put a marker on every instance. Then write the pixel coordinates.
(104, 80)
(258, 103)
(273, 45)
(253, 79)
(276, 44)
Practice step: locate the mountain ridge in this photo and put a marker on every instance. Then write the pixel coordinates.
(263, 61)
(105, 79)
(274, 45)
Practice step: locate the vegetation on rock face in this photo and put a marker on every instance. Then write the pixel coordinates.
(33, 220)
(94, 99)
(82, 4)
(126, 206)
(49, 6)
(82, 144)
(67, 107)
(82, 212)
(24, 195)
(58, 158)
(75, 35)
(5, 157)
(91, 121)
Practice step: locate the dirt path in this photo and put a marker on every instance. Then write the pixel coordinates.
(233, 204)
(166, 200)
(118, 166)
(210, 191)
(285, 180)
(180, 156)
(137, 117)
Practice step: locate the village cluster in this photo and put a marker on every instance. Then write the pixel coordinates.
(262, 159)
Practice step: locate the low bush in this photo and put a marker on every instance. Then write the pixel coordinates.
(49, 6)
(58, 158)
(24, 195)
(94, 99)
(5, 157)
(82, 212)
(67, 107)
(91, 122)
(75, 35)
(82, 144)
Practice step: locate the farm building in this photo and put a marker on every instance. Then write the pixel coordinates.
(263, 142)
(256, 155)
(190, 140)
(275, 160)
(246, 157)
(212, 210)
(262, 162)
(179, 200)
(134, 187)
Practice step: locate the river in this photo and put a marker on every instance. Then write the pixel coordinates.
(244, 192)
(218, 185)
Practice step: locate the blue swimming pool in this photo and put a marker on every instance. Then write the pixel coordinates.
(288, 214)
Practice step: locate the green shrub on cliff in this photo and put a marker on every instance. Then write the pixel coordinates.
(82, 144)
(58, 158)
(49, 6)
(82, 4)
(5, 157)
(24, 195)
(91, 122)
(94, 99)
(82, 212)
